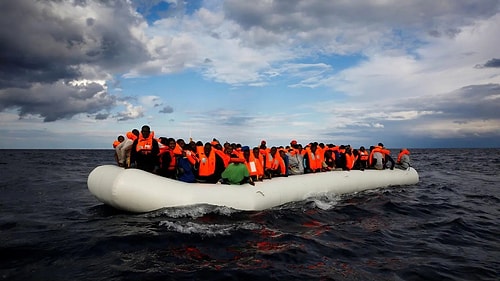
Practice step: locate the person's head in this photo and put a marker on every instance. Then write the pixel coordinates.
(282, 152)
(171, 143)
(163, 140)
(207, 148)
(181, 143)
(135, 132)
(121, 138)
(362, 148)
(263, 144)
(246, 151)
(256, 151)
(314, 146)
(273, 150)
(145, 131)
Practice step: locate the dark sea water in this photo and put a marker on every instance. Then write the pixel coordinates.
(446, 227)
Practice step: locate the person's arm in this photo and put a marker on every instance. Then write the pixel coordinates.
(133, 155)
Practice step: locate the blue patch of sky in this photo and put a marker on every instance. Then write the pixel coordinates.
(407, 40)
(336, 62)
(156, 10)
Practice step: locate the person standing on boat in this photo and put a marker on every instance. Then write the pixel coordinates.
(144, 152)
(403, 161)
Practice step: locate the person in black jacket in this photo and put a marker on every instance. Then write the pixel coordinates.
(145, 150)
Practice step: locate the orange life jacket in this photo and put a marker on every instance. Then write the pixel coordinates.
(191, 156)
(350, 159)
(378, 149)
(403, 152)
(144, 145)
(173, 160)
(116, 143)
(253, 166)
(315, 161)
(363, 155)
(131, 136)
(225, 158)
(207, 163)
(275, 162)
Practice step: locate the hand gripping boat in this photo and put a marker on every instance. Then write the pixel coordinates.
(137, 191)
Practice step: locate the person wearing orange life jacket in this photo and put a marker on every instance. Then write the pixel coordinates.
(285, 159)
(145, 150)
(259, 162)
(403, 161)
(123, 149)
(168, 158)
(379, 156)
(190, 153)
(363, 158)
(253, 166)
(329, 161)
(352, 157)
(210, 165)
(313, 163)
(118, 140)
(274, 164)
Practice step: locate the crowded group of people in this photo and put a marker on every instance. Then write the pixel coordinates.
(232, 163)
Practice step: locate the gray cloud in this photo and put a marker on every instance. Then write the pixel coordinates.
(167, 109)
(282, 15)
(492, 63)
(471, 102)
(306, 20)
(44, 45)
(57, 101)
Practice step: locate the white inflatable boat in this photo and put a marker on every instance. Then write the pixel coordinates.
(137, 191)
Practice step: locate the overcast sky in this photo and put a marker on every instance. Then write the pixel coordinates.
(413, 73)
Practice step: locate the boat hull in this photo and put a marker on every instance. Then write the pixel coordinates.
(137, 191)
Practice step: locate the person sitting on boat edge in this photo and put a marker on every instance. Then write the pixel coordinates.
(236, 173)
(389, 162)
(117, 142)
(145, 150)
(403, 161)
(124, 148)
